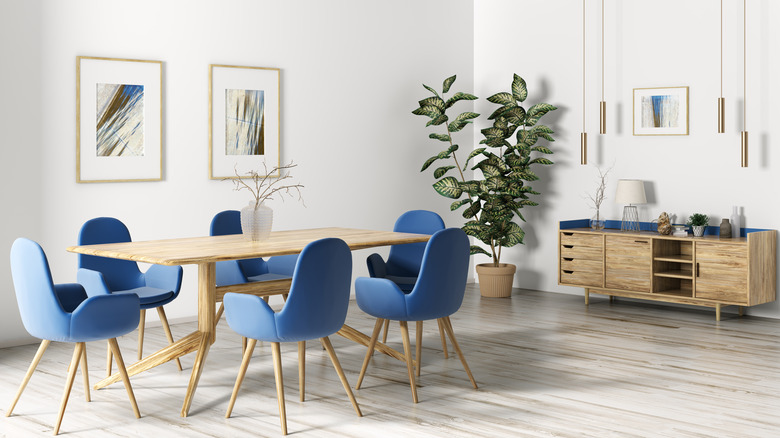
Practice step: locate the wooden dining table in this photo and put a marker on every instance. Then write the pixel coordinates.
(205, 252)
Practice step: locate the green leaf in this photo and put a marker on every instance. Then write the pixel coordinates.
(462, 120)
(428, 162)
(519, 89)
(458, 97)
(448, 187)
(473, 154)
(488, 170)
(515, 115)
(431, 90)
(472, 210)
(472, 228)
(537, 111)
(501, 110)
(434, 101)
(438, 120)
(501, 98)
(452, 149)
(467, 115)
(457, 204)
(513, 235)
(540, 160)
(438, 173)
(430, 111)
(541, 149)
(457, 125)
(440, 137)
(479, 250)
(448, 83)
(542, 128)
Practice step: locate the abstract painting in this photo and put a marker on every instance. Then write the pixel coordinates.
(661, 111)
(244, 120)
(118, 120)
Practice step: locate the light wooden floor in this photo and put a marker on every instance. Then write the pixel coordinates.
(546, 365)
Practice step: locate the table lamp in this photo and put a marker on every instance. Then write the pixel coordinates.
(630, 191)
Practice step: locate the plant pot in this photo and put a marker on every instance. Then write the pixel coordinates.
(495, 282)
(698, 230)
(256, 222)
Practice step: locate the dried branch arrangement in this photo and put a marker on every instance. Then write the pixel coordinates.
(263, 186)
(600, 196)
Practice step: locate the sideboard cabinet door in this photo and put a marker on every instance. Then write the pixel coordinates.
(628, 263)
(722, 272)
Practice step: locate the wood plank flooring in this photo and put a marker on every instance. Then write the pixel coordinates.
(546, 365)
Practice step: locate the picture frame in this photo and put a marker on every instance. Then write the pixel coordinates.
(244, 120)
(118, 120)
(660, 111)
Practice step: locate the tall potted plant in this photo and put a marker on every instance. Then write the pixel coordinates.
(493, 202)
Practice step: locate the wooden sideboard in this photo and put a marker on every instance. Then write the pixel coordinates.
(704, 271)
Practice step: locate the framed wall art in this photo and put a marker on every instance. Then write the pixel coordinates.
(118, 120)
(243, 120)
(661, 111)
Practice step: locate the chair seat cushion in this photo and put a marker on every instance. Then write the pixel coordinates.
(150, 296)
(406, 284)
(267, 277)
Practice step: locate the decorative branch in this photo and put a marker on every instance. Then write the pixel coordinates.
(600, 195)
(264, 188)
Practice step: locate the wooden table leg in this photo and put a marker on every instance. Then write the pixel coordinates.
(207, 304)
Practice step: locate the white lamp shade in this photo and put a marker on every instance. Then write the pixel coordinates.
(630, 191)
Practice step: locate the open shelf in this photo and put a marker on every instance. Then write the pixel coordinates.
(676, 293)
(677, 273)
(677, 258)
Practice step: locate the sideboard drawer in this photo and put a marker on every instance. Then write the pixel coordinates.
(581, 252)
(578, 264)
(581, 278)
(580, 239)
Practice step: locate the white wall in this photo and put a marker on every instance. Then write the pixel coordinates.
(351, 73)
(647, 44)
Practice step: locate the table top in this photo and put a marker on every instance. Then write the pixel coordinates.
(195, 250)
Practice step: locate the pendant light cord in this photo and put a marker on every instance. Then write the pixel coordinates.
(602, 50)
(744, 65)
(721, 48)
(583, 65)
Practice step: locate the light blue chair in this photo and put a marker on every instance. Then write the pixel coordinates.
(158, 286)
(64, 313)
(437, 294)
(403, 262)
(315, 308)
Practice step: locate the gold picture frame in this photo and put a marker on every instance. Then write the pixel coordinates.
(118, 120)
(660, 111)
(244, 120)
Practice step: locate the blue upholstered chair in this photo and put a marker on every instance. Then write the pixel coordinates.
(437, 294)
(403, 262)
(158, 286)
(64, 313)
(315, 308)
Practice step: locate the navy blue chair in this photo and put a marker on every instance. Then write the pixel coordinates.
(403, 263)
(64, 313)
(158, 286)
(437, 294)
(315, 308)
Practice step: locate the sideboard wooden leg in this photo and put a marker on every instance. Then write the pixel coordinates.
(587, 297)
(717, 312)
(741, 310)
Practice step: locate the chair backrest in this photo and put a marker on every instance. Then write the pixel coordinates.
(404, 260)
(118, 274)
(442, 281)
(229, 222)
(319, 294)
(42, 314)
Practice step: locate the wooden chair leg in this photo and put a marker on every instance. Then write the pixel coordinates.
(302, 368)
(109, 359)
(448, 326)
(241, 373)
(384, 335)
(34, 364)
(277, 354)
(408, 355)
(418, 346)
(332, 353)
(443, 339)
(74, 366)
(218, 316)
(371, 345)
(85, 373)
(243, 345)
(120, 365)
(167, 329)
(141, 325)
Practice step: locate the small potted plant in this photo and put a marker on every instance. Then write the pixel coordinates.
(257, 218)
(699, 223)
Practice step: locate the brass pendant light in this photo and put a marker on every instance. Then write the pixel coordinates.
(744, 133)
(721, 99)
(583, 134)
(602, 104)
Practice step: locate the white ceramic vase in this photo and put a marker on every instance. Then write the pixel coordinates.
(256, 223)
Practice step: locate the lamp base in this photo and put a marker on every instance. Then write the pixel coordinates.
(630, 219)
